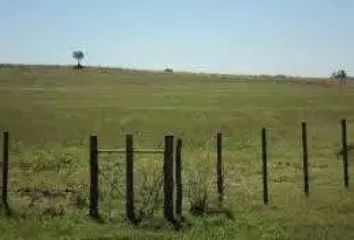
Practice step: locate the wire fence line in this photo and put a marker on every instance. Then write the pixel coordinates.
(136, 183)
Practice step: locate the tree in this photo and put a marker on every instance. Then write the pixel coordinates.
(340, 75)
(168, 70)
(78, 55)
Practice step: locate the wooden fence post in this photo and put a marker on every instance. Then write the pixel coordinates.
(219, 170)
(168, 173)
(5, 173)
(130, 179)
(305, 159)
(264, 167)
(93, 177)
(345, 152)
(179, 194)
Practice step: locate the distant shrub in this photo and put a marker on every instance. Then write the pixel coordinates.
(280, 76)
(168, 70)
(340, 74)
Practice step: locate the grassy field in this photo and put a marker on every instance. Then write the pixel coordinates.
(51, 111)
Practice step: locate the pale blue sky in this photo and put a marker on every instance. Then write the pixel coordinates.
(296, 37)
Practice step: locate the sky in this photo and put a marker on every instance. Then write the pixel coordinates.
(292, 37)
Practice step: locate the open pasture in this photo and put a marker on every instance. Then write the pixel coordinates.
(51, 111)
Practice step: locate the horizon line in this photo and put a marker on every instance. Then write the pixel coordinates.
(175, 70)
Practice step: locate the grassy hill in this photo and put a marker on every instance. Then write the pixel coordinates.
(51, 111)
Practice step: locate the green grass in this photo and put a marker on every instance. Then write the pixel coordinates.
(50, 113)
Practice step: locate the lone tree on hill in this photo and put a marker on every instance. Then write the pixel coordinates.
(168, 70)
(78, 55)
(340, 75)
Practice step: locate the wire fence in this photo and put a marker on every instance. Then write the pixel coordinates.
(214, 172)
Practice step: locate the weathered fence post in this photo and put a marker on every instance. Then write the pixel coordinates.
(179, 194)
(130, 179)
(168, 172)
(219, 170)
(345, 152)
(305, 158)
(5, 170)
(93, 177)
(264, 166)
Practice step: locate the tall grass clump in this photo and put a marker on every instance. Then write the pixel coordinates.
(199, 178)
